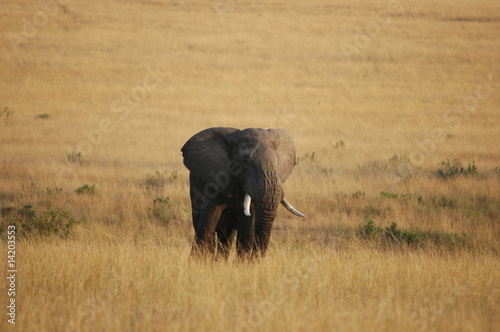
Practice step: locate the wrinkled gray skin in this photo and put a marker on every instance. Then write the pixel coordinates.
(225, 164)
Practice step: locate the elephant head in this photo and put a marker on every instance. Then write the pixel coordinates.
(236, 179)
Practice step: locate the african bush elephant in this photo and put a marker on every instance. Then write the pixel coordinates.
(236, 179)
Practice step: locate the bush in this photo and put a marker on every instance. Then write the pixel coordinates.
(161, 209)
(450, 170)
(306, 157)
(371, 211)
(396, 160)
(402, 236)
(6, 115)
(370, 230)
(75, 157)
(86, 190)
(385, 194)
(28, 223)
(55, 190)
(393, 235)
(158, 180)
(339, 144)
(388, 234)
(358, 194)
(402, 198)
(443, 201)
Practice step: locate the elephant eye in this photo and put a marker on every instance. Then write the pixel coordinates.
(244, 152)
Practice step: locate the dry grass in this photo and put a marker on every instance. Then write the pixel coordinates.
(255, 64)
(151, 286)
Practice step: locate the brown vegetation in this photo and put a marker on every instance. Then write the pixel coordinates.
(395, 118)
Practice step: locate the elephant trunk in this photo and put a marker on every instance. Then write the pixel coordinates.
(266, 200)
(264, 219)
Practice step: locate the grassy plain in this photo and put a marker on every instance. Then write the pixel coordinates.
(105, 93)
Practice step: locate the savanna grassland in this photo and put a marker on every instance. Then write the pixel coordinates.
(394, 107)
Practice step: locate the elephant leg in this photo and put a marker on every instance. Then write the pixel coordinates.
(226, 232)
(198, 200)
(205, 230)
(225, 241)
(245, 241)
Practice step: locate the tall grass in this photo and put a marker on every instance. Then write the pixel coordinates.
(98, 102)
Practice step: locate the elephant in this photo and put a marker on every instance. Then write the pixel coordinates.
(236, 185)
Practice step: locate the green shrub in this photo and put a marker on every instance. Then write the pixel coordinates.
(75, 157)
(450, 170)
(161, 209)
(370, 211)
(159, 179)
(370, 230)
(306, 157)
(443, 201)
(55, 190)
(86, 190)
(402, 198)
(6, 114)
(339, 144)
(449, 240)
(389, 195)
(29, 224)
(27, 214)
(402, 236)
(156, 181)
(393, 235)
(358, 194)
(389, 234)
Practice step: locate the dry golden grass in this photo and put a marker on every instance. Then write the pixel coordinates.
(366, 118)
(150, 285)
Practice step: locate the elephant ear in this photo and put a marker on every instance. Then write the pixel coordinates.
(285, 148)
(207, 154)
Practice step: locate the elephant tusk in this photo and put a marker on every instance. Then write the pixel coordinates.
(290, 208)
(246, 205)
